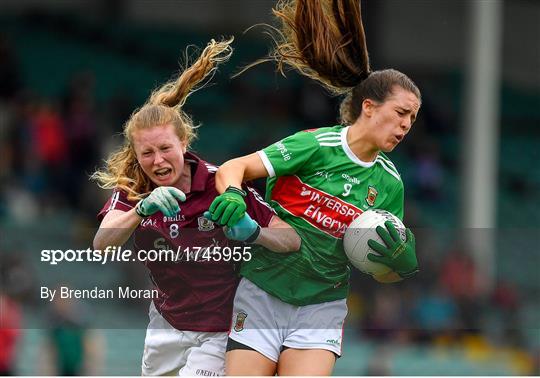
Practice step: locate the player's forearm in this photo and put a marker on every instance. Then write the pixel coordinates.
(279, 237)
(116, 230)
(236, 171)
(231, 173)
(280, 241)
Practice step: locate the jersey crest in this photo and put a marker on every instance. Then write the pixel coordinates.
(371, 195)
(205, 224)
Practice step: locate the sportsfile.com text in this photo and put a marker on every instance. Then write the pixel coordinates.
(118, 254)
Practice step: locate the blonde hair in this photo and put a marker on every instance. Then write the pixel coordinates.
(325, 41)
(164, 107)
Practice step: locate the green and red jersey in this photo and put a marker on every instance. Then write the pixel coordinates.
(319, 186)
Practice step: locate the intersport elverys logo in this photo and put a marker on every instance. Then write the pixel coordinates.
(324, 211)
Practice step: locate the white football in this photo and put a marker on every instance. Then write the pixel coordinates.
(360, 231)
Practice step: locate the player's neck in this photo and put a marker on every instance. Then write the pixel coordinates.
(185, 179)
(360, 145)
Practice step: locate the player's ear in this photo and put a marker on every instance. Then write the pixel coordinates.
(368, 106)
(183, 146)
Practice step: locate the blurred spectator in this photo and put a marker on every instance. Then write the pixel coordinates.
(14, 285)
(458, 274)
(10, 332)
(80, 132)
(385, 318)
(17, 278)
(49, 137)
(458, 278)
(51, 145)
(71, 347)
(435, 313)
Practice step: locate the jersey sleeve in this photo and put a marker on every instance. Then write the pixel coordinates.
(396, 201)
(288, 155)
(118, 201)
(257, 208)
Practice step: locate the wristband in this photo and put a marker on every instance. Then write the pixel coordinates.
(139, 211)
(253, 236)
(234, 189)
(409, 274)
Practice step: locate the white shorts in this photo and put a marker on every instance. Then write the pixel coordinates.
(168, 351)
(267, 324)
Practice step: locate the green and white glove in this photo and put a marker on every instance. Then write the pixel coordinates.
(164, 199)
(228, 207)
(397, 254)
(245, 230)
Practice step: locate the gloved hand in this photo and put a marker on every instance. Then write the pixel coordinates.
(164, 199)
(246, 229)
(397, 254)
(228, 207)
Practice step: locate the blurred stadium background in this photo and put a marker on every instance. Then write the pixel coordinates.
(72, 71)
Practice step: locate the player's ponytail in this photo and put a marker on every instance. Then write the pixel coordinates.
(174, 94)
(325, 41)
(164, 107)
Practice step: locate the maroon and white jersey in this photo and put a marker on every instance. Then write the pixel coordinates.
(193, 295)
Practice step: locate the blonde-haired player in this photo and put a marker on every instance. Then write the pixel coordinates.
(161, 191)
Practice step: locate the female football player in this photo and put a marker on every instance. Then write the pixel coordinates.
(161, 192)
(289, 309)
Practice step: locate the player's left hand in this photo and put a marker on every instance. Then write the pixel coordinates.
(245, 230)
(397, 254)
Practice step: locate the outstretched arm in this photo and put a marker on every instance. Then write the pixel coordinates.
(278, 237)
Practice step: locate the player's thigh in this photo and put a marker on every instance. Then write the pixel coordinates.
(248, 363)
(164, 347)
(318, 326)
(259, 321)
(306, 362)
(207, 358)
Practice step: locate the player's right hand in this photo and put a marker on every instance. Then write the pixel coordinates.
(397, 254)
(229, 207)
(164, 199)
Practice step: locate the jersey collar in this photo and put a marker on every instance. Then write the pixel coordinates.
(350, 154)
